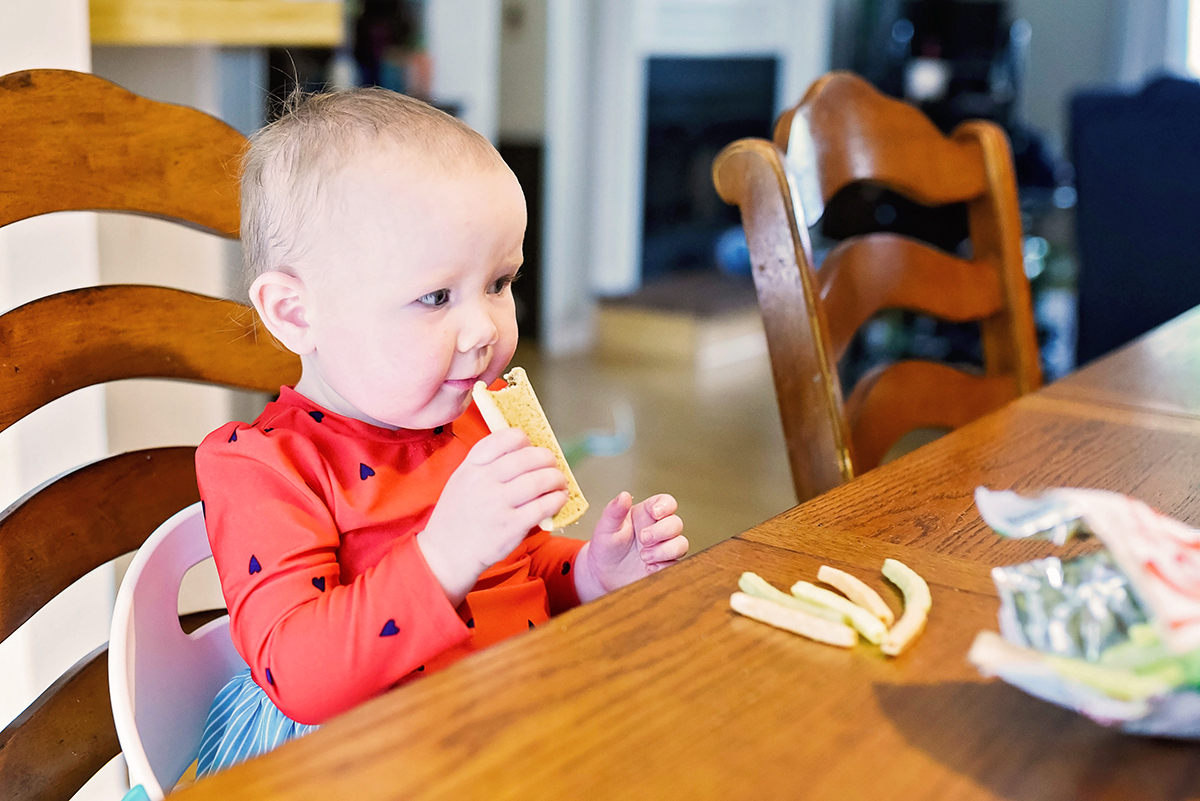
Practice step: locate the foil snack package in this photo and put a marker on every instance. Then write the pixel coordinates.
(1076, 607)
(1058, 616)
(1158, 555)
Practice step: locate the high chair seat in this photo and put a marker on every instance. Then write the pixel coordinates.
(162, 681)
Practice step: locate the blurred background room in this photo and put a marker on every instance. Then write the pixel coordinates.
(639, 321)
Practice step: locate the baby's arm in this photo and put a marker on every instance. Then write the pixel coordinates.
(316, 646)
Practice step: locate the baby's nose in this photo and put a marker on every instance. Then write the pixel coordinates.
(478, 330)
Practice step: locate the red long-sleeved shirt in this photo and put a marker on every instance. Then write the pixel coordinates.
(313, 518)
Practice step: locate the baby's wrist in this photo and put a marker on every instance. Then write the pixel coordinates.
(455, 578)
(587, 583)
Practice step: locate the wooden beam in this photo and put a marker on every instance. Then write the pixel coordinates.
(220, 22)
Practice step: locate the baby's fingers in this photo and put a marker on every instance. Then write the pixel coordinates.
(664, 541)
(651, 510)
(536, 511)
(660, 531)
(665, 553)
(533, 484)
(521, 462)
(496, 445)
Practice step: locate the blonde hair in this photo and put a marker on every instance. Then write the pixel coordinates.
(288, 164)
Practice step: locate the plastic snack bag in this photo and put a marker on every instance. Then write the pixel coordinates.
(1115, 634)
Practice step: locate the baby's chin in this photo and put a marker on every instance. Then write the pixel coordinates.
(434, 415)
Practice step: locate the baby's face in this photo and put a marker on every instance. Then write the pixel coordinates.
(411, 303)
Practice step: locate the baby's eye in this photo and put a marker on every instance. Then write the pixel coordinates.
(436, 298)
(503, 283)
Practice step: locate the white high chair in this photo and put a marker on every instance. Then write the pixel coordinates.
(161, 680)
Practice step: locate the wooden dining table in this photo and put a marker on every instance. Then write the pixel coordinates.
(660, 691)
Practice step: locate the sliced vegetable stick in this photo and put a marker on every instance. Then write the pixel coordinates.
(917, 603)
(793, 620)
(869, 626)
(858, 592)
(756, 585)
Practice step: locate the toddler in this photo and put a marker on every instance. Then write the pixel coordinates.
(367, 527)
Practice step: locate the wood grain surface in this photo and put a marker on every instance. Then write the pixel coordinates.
(217, 22)
(926, 498)
(73, 141)
(660, 691)
(751, 173)
(55, 345)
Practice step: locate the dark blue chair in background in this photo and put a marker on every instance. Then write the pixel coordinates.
(1137, 162)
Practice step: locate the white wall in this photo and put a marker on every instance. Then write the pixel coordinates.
(1083, 44)
(569, 138)
(142, 250)
(464, 42)
(595, 130)
(523, 72)
(38, 257)
(1072, 47)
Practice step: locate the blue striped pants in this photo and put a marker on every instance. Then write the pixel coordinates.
(243, 723)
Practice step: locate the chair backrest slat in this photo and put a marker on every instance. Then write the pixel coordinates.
(1009, 339)
(73, 144)
(847, 125)
(59, 532)
(60, 740)
(864, 275)
(58, 344)
(935, 395)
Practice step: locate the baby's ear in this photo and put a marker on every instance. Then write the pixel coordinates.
(282, 302)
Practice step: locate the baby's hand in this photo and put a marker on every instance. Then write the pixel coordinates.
(497, 495)
(629, 543)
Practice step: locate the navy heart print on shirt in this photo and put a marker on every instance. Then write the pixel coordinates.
(390, 629)
(318, 416)
(254, 565)
(365, 472)
(319, 583)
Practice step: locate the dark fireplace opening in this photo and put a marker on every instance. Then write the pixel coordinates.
(694, 107)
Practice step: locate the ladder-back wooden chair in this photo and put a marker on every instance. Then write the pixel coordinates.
(844, 132)
(72, 141)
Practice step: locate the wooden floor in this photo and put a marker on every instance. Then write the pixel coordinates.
(710, 437)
